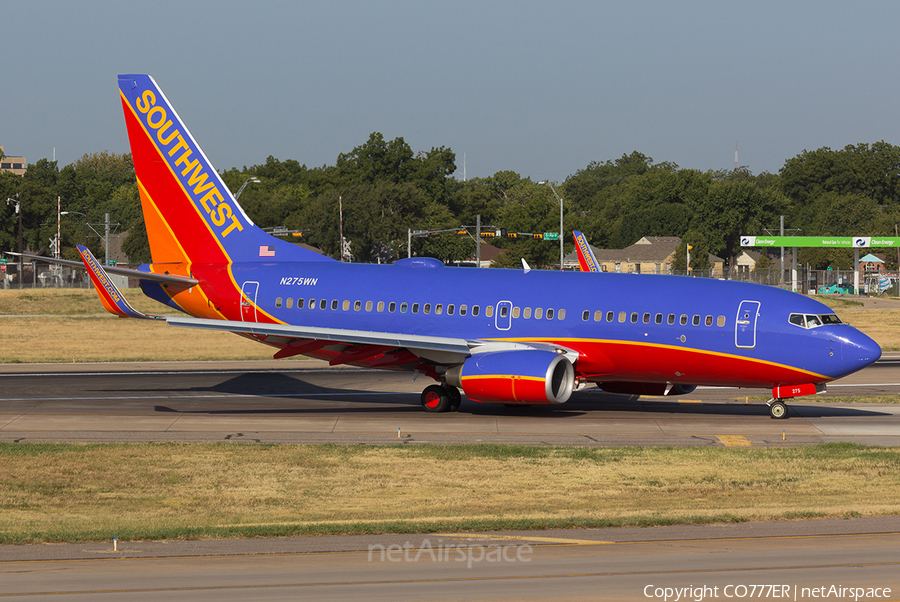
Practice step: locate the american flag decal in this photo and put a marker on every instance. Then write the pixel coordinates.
(267, 251)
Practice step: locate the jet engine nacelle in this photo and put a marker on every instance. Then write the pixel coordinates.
(647, 388)
(521, 376)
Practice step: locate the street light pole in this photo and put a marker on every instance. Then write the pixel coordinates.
(253, 179)
(561, 267)
(18, 203)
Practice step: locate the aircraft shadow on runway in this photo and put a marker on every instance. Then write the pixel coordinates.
(297, 396)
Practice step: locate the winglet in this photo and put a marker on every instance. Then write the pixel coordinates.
(109, 293)
(585, 256)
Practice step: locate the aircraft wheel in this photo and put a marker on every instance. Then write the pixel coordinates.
(778, 410)
(455, 398)
(436, 398)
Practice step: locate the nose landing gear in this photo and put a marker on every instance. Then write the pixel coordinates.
(777, 409)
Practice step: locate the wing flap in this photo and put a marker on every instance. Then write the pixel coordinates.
(458, 348)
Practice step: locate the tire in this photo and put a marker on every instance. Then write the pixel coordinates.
(778, 410)
(455, 398)
(435, 398)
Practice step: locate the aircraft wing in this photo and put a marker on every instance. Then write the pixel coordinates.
(440, 350)
(167, 278)
(338, 335)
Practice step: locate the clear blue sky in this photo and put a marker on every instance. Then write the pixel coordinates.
(539, 88)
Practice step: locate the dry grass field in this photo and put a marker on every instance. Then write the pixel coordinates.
(65, 325)
(54, 492)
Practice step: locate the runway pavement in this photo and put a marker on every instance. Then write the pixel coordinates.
(307, 402)
(858, 558)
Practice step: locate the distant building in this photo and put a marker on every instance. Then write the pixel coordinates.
(871, 264)
(649, 255)
(14, 165)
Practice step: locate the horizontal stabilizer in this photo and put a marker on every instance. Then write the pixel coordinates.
(110, 296)
(167, 278)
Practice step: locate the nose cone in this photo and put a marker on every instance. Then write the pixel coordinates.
(858, 350)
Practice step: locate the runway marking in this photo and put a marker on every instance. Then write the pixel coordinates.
(576, 542)
(690, 401)
(734, 441)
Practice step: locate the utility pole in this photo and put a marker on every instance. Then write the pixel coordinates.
(478, 241)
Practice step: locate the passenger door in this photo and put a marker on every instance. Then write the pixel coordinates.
(745, 325)
(248, 301)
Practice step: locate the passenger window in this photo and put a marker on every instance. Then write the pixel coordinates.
(646, 318)
(278, 302)
(368, 306)
(623, 316)
(598, 315)
(357, 305)
(300, 303)
(609, 316)
(489, 311)
(450, 309)
(549, 314)
(720, 321)
(462, 310)
(426, 309)
(696, 320)
(403, 307)
(527, 313)
(561, 314)
(538, 313)
(312, 303)
(585, 315)
(684, 320)
(475, 310)
(323, 304)
(634, 317)
(334, 304)
(516, 312)
(392, 307)
(380, 307)
(438, 309)
(290, 303)
(415, 308)
(504, 311)
(345, 305)
(671, 319)
(708, 320)
(659, 318)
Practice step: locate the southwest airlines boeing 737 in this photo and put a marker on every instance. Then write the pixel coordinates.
(501, 336)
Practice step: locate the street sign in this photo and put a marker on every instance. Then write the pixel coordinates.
(551, 235)
(836, 242)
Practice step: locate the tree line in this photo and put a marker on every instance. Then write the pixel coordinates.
(386, 189)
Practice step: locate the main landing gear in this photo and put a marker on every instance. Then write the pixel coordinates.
(441, 398)
(777, 409)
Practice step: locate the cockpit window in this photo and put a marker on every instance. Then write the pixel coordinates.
(813, 321)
